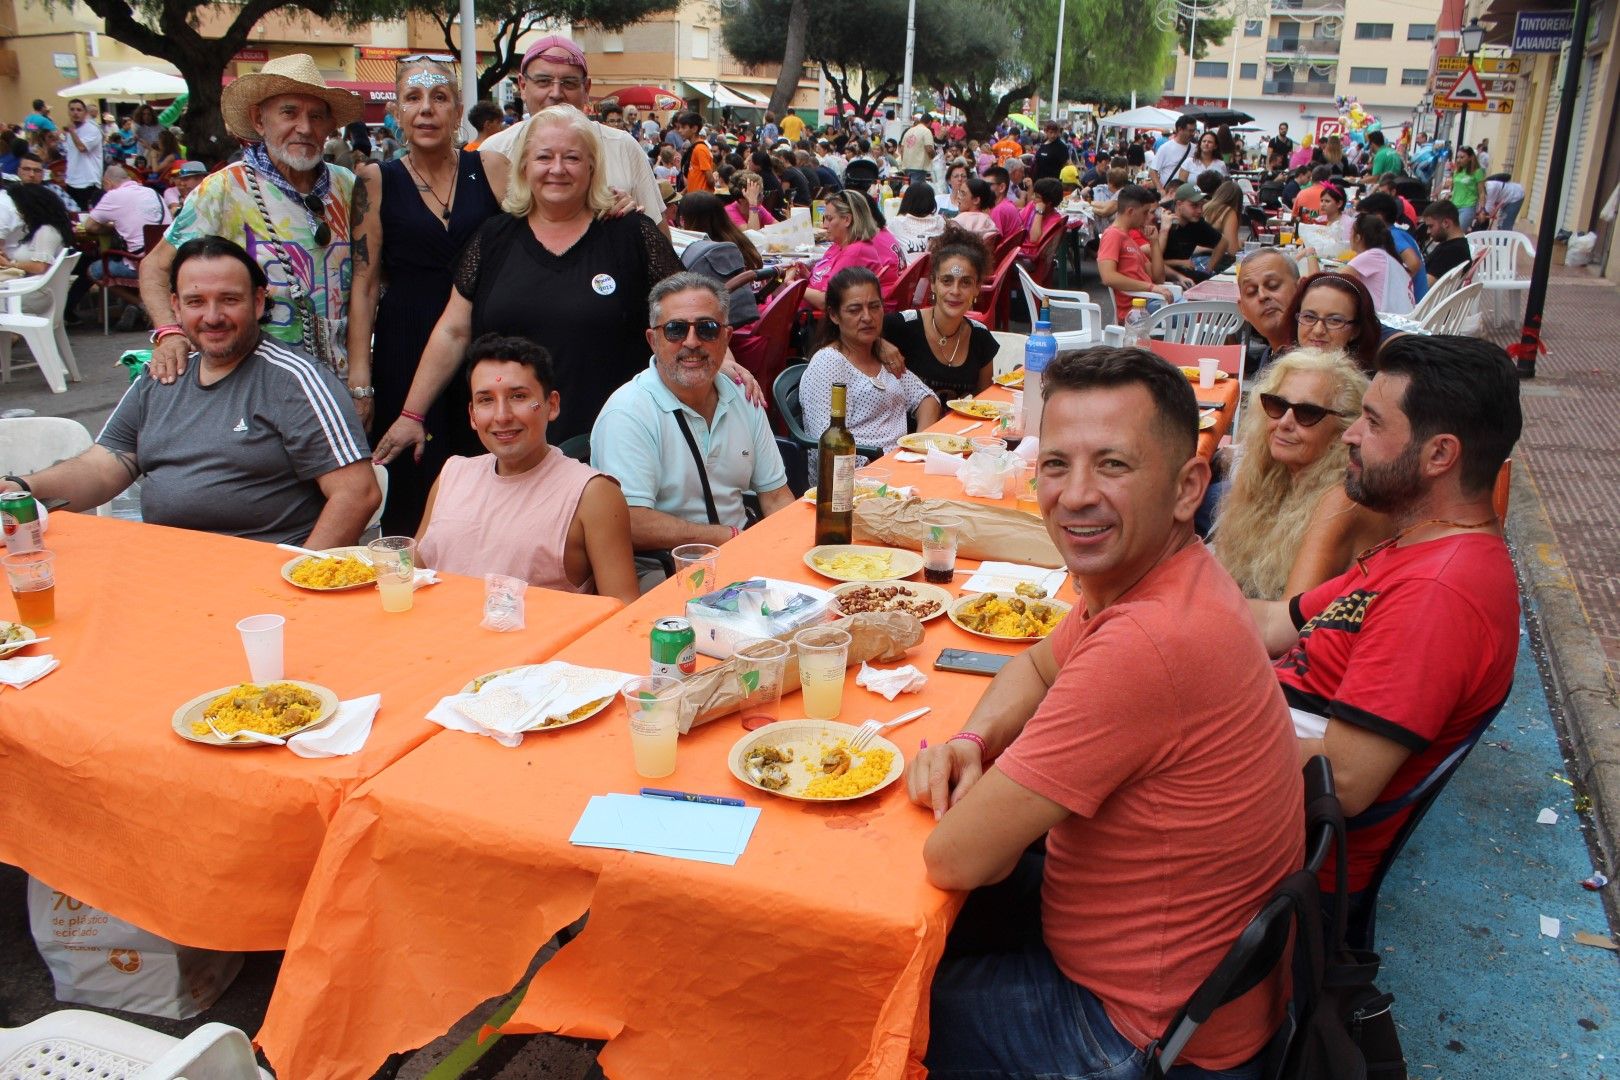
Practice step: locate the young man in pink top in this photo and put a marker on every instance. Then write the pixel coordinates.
(1145, 740)
(1125, 263)
(525, 509)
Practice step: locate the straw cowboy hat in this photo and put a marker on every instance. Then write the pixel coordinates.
(292, 74)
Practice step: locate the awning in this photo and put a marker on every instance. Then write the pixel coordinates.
(721, 94)
(370, 91)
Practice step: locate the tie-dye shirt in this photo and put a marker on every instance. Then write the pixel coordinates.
(223, 205)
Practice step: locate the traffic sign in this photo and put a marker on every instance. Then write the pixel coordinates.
(1500, 106)
(1485, 65)
(1467, 88)
(1494, 88)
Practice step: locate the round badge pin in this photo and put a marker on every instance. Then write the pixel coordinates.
(604, 284)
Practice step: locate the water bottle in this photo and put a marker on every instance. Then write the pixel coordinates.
(1136, 323)
(1038, 352)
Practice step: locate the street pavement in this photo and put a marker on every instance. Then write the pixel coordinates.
(1480, 992)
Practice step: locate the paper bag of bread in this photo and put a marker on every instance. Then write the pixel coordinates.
(987, 532)
(883, 636)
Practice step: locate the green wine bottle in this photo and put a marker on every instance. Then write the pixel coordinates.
(835, 477)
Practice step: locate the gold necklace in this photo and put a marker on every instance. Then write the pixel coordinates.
(1361, 559)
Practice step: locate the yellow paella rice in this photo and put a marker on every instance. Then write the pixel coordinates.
(1013, 617)
(333, 573)
(862, 776)
(275, 709)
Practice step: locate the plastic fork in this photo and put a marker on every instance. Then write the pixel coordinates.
(871, 729)
(252, 736)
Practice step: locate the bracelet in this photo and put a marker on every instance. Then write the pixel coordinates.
(974, 737)
(19, 481)
(161, 332)
(418, 417)
(735, 532)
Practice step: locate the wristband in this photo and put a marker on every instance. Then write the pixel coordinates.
(19, 481)
(161, 332)
(735, 532)
(418, 417)
(974, 737)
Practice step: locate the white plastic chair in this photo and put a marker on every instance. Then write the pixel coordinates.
(45, 334)
(74, 1043)
(1196, 322)
(31, 443)
(382, 483)
(1036, 296)
(1009, 351)
(1457, 314)
(1500, 269)
(1444, 286)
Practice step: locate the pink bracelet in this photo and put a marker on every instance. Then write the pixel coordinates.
(418, 417)
(974, 737)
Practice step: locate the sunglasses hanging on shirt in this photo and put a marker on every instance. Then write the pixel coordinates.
(317, 211)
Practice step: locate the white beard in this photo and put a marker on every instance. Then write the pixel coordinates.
(292, 161)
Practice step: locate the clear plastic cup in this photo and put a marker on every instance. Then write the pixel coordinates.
(32, 577)
(989, 444)
(695, 567)
(262, 640)
(760, 664)
(653, 706)
(395, 560)
(823, 656)
(871, 482)
(939, 535)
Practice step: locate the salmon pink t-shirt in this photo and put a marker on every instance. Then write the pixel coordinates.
(1166, 737)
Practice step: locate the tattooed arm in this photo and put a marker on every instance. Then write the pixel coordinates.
(86, 481)
(366, 236)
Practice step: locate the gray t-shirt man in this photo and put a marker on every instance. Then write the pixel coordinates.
(241, 456)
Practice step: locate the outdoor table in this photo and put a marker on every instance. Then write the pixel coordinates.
(211, 846)
(811, 957)
(1213, 289)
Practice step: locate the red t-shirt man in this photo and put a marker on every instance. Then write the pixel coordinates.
(1165, 738)
(1132, 258)
(1418, 649)
(700, 168)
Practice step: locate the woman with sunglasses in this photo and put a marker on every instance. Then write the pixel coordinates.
(856, 239)
(410, 216)
(952, 354)
(1335, 312)
(557, 268)
(1286, 525)
(881, 393)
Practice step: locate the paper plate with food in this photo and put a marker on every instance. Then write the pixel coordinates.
(811, 761)
(281, 709)
(918, 442)
(14, 636)
(912, 597)
(1006, 616)
(1012, 380)
(862, 562)
(980, 409)
(1206, 420)
(351, 569)
(597, 687)
(1192, 375)
(867, 490)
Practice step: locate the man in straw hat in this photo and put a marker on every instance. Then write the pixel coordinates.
(283, 203)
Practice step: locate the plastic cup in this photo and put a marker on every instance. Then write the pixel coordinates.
(695, 567)
(760, 664)
(989, 444)
(870, 482)
(262, 638)
(394, 558)
(939, 535)
(823, 656)
(32, 577)
(653, 707)
(1208, 368)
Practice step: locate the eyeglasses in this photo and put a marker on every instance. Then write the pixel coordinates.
(1308, 319)
(675, 330)
(1306, 414)
(317, 210)
(571, 84)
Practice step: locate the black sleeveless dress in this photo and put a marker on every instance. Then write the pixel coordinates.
(418, 254)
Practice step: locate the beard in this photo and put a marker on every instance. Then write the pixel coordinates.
(292, 160)
(1387, 488)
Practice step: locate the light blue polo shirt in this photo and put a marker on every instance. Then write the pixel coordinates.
(637, 442)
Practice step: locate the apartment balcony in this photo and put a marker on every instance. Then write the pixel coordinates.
(1302, 88)
(1302, 46)
(1307, 7)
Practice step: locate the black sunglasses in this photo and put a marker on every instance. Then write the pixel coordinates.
(675, 330)
(317, 210)
(1306, 414)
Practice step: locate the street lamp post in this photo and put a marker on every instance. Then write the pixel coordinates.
(1473, 39)
(1057, 58)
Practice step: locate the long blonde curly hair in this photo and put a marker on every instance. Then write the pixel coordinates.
(1263, 518)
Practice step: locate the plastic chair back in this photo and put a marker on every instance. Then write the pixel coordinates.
(31, 443)
(75, 1043)
(1457, 313)
(578, 447)
(903, 294)
(1502, 248)
(1444, 285)
(1044, 257)
(1230, 356)
(993, 295)
(1037, 295)
(1197, 322)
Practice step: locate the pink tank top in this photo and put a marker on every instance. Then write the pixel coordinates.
(485, 523)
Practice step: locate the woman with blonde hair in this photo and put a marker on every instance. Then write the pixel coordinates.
(1286, 525)
(1223, 212)
(555, 268)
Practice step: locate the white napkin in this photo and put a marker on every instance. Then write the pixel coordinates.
(891, 684)
(1006, 576)
(424, 576)
(909, 456)
(558, 687)
(346, 733)
(20, 672)
(939, 463)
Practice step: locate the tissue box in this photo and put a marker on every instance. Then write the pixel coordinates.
(758, 607)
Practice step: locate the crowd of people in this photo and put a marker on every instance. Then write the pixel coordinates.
(457, 313)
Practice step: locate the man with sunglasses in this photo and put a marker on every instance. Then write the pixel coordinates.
(283, 203)
(1391, 666)
(683, 442)
(554, 72)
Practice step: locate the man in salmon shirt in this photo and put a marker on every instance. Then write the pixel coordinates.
(1145, 740)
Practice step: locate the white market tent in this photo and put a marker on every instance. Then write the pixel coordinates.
(1145, 116)
(133, 82)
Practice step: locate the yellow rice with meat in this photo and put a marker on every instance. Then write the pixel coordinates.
(1010, 617)
(863, 775)
(276, 709)
(333, 573)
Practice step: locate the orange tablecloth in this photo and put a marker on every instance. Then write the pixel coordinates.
(445, 874)
(1225, 391)
(206, 846)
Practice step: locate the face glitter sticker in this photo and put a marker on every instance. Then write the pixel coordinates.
(604, 284)
(427, 80)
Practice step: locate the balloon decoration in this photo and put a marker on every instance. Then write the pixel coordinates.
(1357, 121)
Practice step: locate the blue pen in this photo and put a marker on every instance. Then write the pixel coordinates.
(687, 796)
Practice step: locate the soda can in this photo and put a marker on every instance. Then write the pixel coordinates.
(674, 648)
(19, 516)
